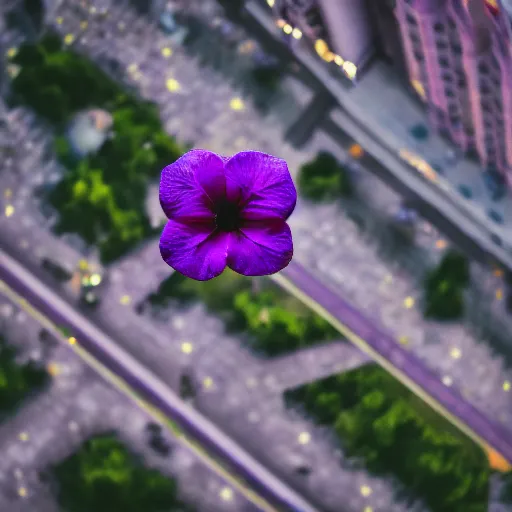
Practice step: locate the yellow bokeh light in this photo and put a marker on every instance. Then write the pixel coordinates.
(365, 490)
(287, 29)
(296, 33)
(166, 52)
(53, 369)
(271, 3)
(125, 300)
(506, 386)
(9, 210)
(187, 347)
(408, 302)
(455, 353)
(11, 52)
(499, 294)
(207, 382)
(23, 436)
(69, 39)
(338, 60)
(237, 104)
(72, 340)
(226, 493)
(321, 47)
(22, 492)
(95, 280)
(304, 438)
(172, 85)
(350, 69)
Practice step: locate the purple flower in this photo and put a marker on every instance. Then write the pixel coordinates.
(227, 212)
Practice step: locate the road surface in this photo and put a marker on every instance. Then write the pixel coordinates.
(96, 347)
(400, 363)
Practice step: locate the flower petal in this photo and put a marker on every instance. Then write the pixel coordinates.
(195, 250)
(190, 186)
(262, 184)
(260, 249)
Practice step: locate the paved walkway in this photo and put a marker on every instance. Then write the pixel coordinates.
(315, 363)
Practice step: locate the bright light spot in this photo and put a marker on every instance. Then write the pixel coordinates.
(23, 436)
(365, 490)
(187, 347)
(338, 60)
(447, 380)
(455, 353)
(304, 438)
(350, 69)
(83, 25)
(226, 494)
(69, 38)
(172, 85)
(403, 340)
(72, 340)
(408, 302)
(499, 294)
(53, 369)
(22, 492)
(368, 509)
(236, 104)
(11, 52)
(441, 244)
(287, 29)
(125, 300)
(418, 87)
(321, 47)
(356, 151)
(95, 280)
(280, 23)
(207, 382)
(92, 10)
(83, 265)
(166, 52)
(506, 386)
(296, 33)
(9, 210)
(271, 3)
(132, 68)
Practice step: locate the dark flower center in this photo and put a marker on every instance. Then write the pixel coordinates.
(227, 216)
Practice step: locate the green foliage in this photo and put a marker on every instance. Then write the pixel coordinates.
(102, 197)
(103, 476)
(276, 322)
(394, 433)
(444, 288)
(324, 178)
(16, 380)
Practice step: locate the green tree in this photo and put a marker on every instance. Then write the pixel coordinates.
(103, 476)
(384, 424)
(324, 178)
(17, 380)
(102, 197)
(444, 287)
